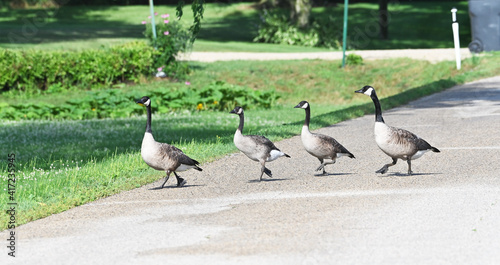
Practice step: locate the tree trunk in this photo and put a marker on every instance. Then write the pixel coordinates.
(300, 12)
(383, 19)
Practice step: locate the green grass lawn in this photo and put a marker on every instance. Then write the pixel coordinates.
(63, 164)
(227, 27)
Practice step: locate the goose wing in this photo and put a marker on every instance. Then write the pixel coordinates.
(405, 137)
(176, 154)
(333, 145)
(263, 141)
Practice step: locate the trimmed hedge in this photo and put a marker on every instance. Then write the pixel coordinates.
(33, 69)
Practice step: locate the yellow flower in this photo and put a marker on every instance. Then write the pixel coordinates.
(216, 102)
(199, 107)
(93, 109)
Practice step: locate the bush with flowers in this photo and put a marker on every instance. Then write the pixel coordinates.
(171, 38)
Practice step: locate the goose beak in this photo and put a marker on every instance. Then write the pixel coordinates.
(298, 106)
(359, 91)
(140, 102)
(233, 111)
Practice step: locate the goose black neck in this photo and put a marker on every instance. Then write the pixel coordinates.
(148, 124)
(308, 116)
(242, 122)
(378, 109)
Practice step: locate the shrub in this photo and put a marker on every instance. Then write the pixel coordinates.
(224, 97)
(277, 28)
(114, 103)
(171, 39)
(354, 59)
(33, 69)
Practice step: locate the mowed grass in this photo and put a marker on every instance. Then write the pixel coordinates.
(229, 27)
(63, 164)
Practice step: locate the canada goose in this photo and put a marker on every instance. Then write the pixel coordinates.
(319, 145)
(255, 147)
(162, 156)
(395, 142)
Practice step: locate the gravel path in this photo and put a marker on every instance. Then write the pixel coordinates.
(432, 55)
(448, 212)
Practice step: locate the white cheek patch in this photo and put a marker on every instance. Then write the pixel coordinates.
(147, 102)
(240, 111)
(368, 92)
(305, 105)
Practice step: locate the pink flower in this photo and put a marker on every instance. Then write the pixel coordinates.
(187, 83)
(165, 21)
(159, 69)
(156, 13)
(143, 22)
(149, 17)
(165, 15)
(166, 33)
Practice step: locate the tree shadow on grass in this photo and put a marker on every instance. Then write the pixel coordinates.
(68, 23)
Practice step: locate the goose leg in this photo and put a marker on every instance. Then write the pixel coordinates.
(166, 178)
(409, 167)
(323, 164)
(268, 172)
(263, 170)
(384, 169)
(180, 181)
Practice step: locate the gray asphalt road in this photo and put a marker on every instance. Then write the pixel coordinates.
(448, 212)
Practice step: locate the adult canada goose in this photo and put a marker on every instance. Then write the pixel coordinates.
(162, 156)
(319, 145)
(395, 142)
(255, 147)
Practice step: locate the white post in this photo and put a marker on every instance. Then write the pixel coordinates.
(456, 39)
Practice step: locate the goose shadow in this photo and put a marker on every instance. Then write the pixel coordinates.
(399, 174)
(267, 180)
(175, 187)
(332, 174)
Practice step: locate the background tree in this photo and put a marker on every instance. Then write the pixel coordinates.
(299, 12)
(383, 19)
(197, 6)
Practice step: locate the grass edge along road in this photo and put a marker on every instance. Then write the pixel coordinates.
(48, 185)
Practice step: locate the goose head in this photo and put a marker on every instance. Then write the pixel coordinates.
(302, 105)
(144, 101)
(367, 90)
(237, 110)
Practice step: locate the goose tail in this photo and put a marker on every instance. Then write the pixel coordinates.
(434, 149)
